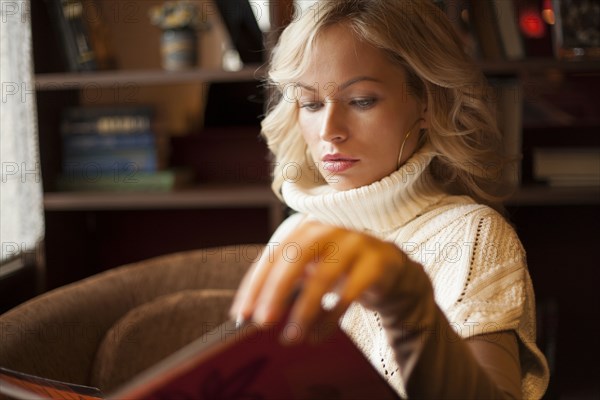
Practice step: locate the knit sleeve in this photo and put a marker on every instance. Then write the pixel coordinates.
(495, 285)
(497, 295)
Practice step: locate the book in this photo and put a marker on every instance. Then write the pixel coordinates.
(76, 144)
(107, 120)
(495, 27)
(134, 159)
(21, 386)
(482, 17)
(126, 181)
(108, 140)
(72, 32)
(508, 28)
(567, 166)
(100, 35)
(248, 361)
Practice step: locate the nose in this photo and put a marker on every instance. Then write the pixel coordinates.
(333, 124)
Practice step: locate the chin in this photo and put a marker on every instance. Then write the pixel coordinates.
(343, 184)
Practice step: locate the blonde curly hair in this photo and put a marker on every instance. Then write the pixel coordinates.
(417, 36)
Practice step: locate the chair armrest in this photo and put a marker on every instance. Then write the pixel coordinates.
(57, 334)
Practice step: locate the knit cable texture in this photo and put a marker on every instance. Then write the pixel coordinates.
(473, 257)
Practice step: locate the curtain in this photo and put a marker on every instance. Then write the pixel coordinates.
(21, 198)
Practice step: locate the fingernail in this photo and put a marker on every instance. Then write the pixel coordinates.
(239, 321)
(260, 315)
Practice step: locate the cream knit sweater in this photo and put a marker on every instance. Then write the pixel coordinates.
(472, 256)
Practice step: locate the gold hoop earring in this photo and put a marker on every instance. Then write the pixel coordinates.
(404, 141)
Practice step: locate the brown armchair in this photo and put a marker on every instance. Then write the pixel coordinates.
(104, 329)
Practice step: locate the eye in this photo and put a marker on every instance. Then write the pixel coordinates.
(363, 103)
(311, 105)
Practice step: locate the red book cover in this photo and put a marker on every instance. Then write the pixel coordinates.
(249, 362)
(18, 385)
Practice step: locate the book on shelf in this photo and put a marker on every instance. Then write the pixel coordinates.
(72, 32)
(125, 181)
(513, 47)
(102, 141)
(567, 166)
(101, 39)
(496, 30)
(107, 120)
(73, 144)
(482, 18)
(100, 161)
(248, 361)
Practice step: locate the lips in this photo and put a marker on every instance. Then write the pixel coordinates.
(338, 162)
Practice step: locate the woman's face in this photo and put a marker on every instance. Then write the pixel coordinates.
(355, 109)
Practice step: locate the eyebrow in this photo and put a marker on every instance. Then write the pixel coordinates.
(344, 85)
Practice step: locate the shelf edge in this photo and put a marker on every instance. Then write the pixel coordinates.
(72, 81)
(197, 198)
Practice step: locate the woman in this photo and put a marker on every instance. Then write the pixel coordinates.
(389, 153)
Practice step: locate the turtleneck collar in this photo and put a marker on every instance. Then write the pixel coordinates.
(379, 207)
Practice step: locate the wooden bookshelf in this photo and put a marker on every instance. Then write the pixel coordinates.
(71, 81)
(536, 65)
(209, 196)
(74, 81)
(537, 195)
(198, 198)
(227, 196)
(88, 232)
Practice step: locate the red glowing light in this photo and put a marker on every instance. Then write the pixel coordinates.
(532, 24)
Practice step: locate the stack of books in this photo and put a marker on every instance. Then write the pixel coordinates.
(112, 149)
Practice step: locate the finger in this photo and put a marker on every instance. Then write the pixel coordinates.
(277, 291)
(359, 278)
(378, 275)
(325, 277)
(366, 274)
(289, 270)
(250, 287)
(241, 296)
(332, 267)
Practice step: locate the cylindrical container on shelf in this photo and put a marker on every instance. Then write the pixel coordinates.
(179, 49)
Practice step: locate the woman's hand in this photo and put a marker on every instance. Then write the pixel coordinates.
(313, 260)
